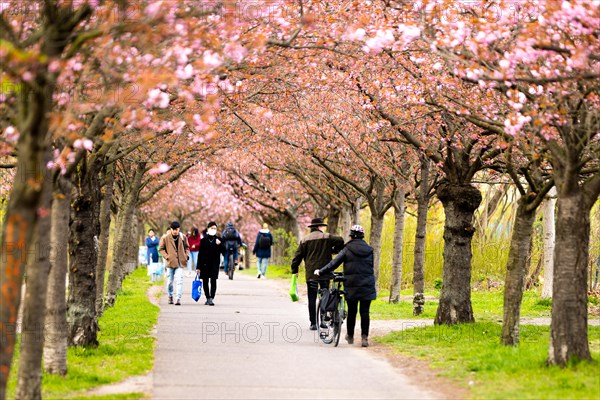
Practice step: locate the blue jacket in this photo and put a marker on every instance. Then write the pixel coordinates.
(152, 244)
(263, 252)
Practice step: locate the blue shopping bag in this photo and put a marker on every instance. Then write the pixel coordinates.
(196, 288)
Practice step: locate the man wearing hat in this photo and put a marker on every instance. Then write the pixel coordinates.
(316, 249)
(175, 250)
(357, 257)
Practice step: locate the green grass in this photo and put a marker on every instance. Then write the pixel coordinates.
(126, 346)
(472, 357)
(487, 305)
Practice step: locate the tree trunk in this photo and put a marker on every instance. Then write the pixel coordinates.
(21, 216)
(398, 243)
(333, 221)
(123, 237)
(356, 212)
(375, 242)
(460, 202)
(120, 251)
(516, 272)
(55, 344)
(568, 329)
(549, 238)
(107, 194)
(346, 220)
(29, 380)
(533, 276)
(132, 260)
(419, 257)
(81, 300)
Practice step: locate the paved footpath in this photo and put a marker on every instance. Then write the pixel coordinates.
(255, 344)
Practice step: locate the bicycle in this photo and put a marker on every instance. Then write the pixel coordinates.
(329, 322)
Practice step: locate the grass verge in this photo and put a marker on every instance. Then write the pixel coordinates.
(126, 346)
(472, 356)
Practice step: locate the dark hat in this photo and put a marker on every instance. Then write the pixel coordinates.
(211, 223)
(317, 222)
(175, 225)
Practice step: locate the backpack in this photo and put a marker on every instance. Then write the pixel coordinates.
(230, 234)
(329, 299)
(264, 242)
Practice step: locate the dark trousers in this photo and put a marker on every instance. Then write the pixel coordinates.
(210, 287)
(313, 290)
(365, 305)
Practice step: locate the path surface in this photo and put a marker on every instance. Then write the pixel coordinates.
(255, 344)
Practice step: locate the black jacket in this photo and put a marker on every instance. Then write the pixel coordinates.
(357, 257)
(209, 256)
(316, 249)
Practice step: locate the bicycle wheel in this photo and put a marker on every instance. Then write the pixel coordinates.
(340, 317)
(337, 327)
(324, 325)
(342, 308)
(231, 267)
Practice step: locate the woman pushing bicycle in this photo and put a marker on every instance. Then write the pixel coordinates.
(359, 285)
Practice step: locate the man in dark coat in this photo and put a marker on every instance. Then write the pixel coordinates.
(316, 249)
(233, 241)
(357, 257)
(209, 259)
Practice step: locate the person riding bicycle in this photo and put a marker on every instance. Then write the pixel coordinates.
(233, 241)
(357, 257)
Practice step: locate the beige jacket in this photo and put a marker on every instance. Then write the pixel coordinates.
(174, 257)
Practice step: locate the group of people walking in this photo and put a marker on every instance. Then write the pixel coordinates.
(203, 252)
(205, 249)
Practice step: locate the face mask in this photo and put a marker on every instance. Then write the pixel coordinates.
(212, 232)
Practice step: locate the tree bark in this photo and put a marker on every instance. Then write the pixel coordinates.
(21, 212)
(29, 380)
(460, 202)
(549, 239)
(568, 329)
(333, 221)
(21, 217)
(532, 278)
(376, 233)
(396, 285)
(81, 301)
(419, 255)
(132, 261)
(346, 220)
(378, 206)
(123, 237)
(105, 204)
(55, 344)
(516, 272)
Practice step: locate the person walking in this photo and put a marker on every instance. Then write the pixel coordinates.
(155, 270)
(175, 251)
(209, 257)
(262, 250)
(152, 244)
(357, 257)
(233, 241)
(316, 249)
(194, 242)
